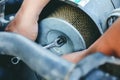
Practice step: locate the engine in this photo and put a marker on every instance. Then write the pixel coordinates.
(65, 26)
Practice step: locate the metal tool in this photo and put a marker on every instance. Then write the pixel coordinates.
(61, 40)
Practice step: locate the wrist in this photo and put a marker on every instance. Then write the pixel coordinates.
(32, 8)
(101, 45)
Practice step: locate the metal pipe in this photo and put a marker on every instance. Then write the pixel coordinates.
(95, 60)
(40, 60)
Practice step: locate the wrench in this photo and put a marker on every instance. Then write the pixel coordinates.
(60, 41)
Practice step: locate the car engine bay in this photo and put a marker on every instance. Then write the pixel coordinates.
(65, 26)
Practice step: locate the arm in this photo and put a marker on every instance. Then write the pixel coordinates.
(108, 43)
(25, 22)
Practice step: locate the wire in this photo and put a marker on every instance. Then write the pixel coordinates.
(113, 4)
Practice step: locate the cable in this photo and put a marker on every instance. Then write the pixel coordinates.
(113, 4)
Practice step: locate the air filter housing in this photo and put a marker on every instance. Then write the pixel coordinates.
(80, 21)
(69, 21)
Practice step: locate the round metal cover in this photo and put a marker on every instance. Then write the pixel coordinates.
(51, 28)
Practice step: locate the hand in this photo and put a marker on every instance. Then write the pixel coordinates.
(24, 27)
(75, 57)
(25, 22)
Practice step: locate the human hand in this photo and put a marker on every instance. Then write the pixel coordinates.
(25, 22)
(24, 27)
(75, 57)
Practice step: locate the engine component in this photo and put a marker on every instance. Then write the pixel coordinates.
(78, 14)
(2, 9)
(97, 17)
(70, 22)
(113, 16)
(97, 10)
(80, 20)
(60, 28)
(15, 60)
(98, 59)
(4, 21)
